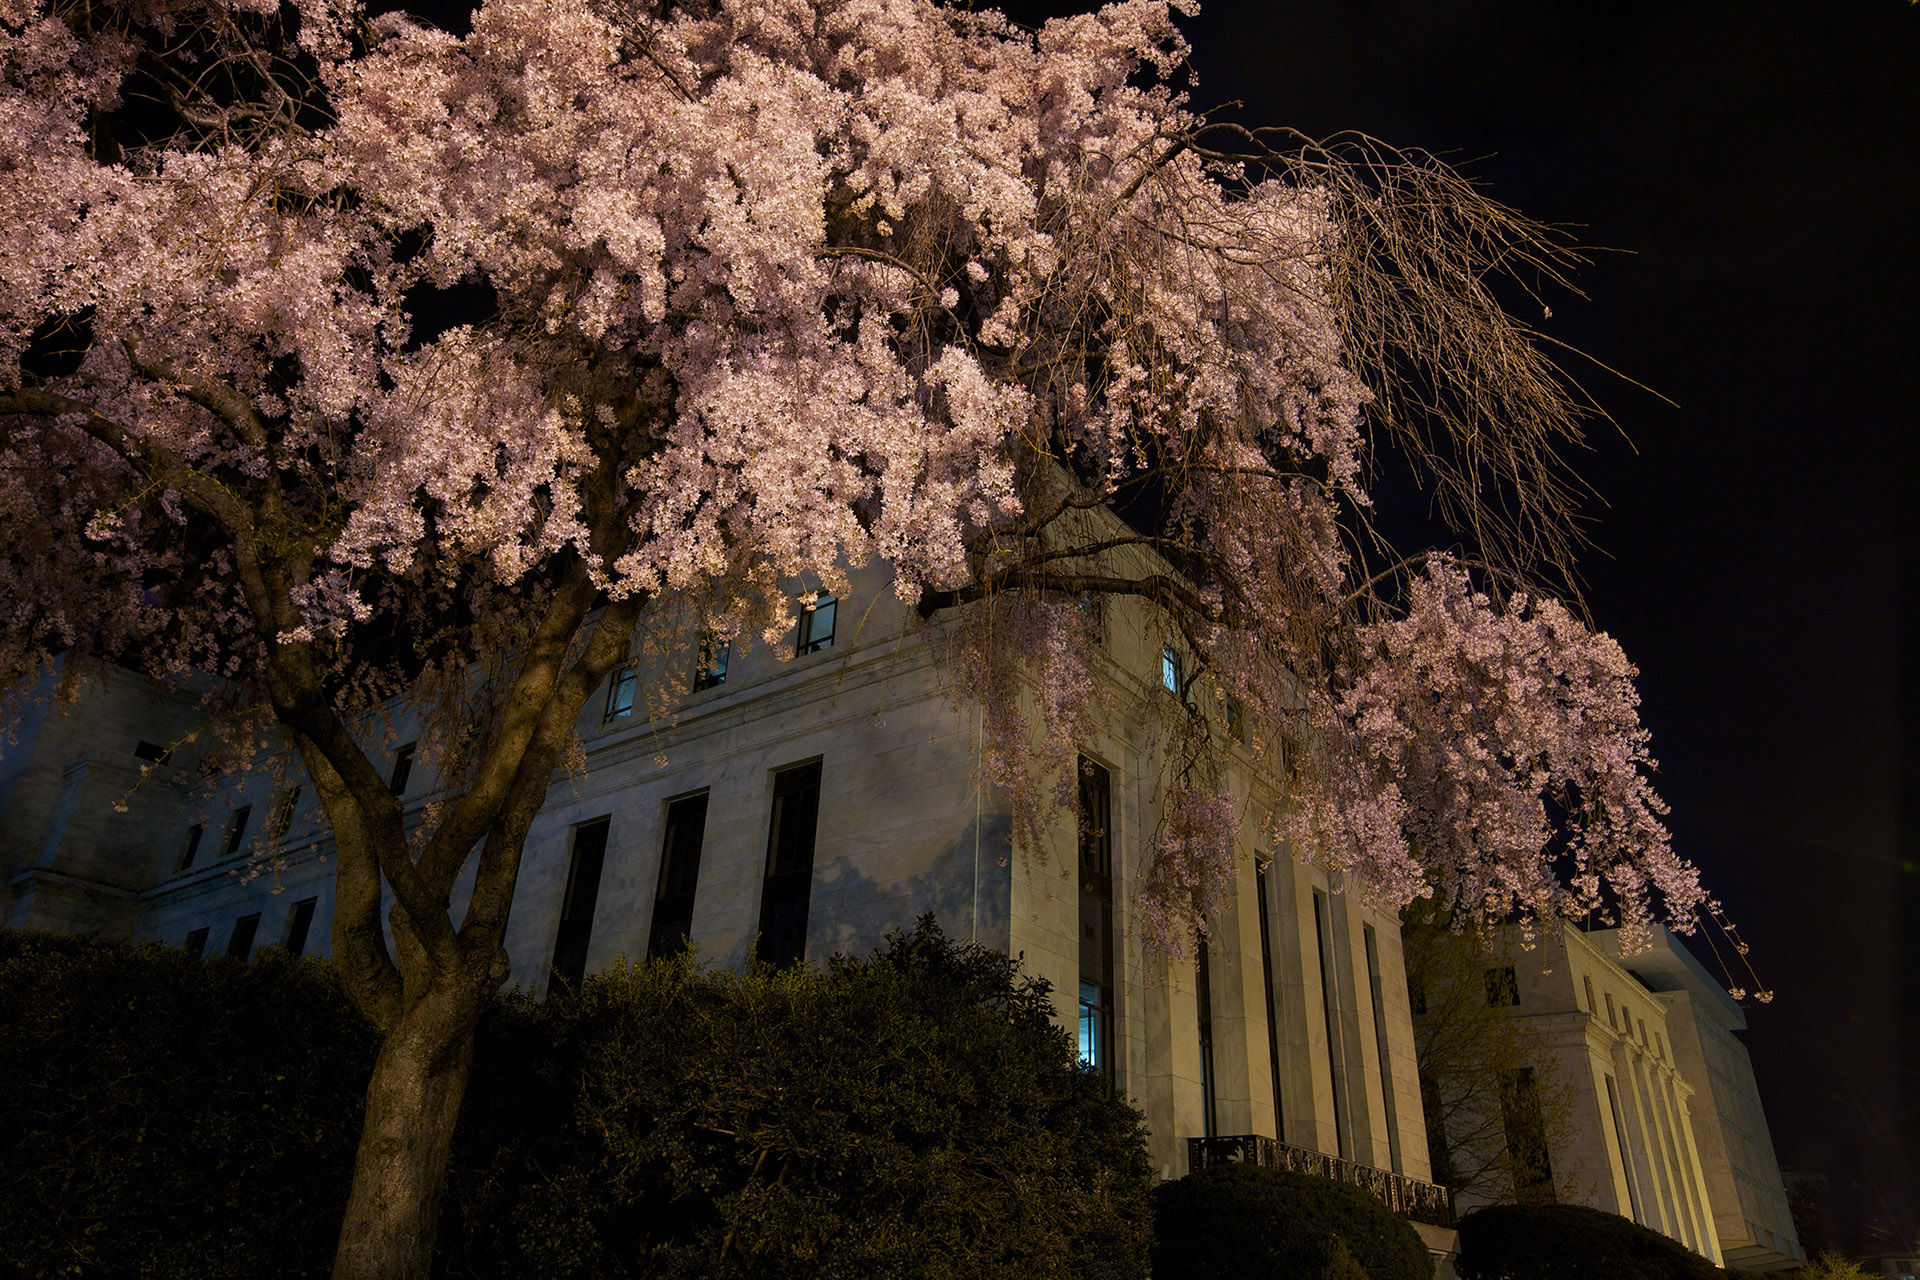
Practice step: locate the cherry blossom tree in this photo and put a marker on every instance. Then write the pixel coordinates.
(733, 293)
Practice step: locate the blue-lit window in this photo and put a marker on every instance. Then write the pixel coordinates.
(1170, 670)
(1096, 1028)
(714, 653)
(620, 693)
(816, 626)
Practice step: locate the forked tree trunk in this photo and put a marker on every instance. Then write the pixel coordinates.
(413, 1102)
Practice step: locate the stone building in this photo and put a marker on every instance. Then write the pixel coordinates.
(1666, 1126)
(1745, 1191)
(794, 803)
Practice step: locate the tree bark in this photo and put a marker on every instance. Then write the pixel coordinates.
(413, 1103)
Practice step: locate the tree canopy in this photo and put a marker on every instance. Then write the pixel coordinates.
(352, 359)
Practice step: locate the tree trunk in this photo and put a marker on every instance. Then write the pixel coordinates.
(413, 1102)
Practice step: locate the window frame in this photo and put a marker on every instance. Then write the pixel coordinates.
(806, 638)
(622, 689)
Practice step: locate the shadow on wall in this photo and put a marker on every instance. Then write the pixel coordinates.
(967, 886)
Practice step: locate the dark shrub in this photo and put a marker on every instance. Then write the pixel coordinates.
(1241, 1220)
(1570, 1242)
(911, 1114)
(163, 1116)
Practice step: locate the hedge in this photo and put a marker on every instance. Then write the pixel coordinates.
(913, 1113)
(1570, 1242)
(171, 1117)
(1243, 1220)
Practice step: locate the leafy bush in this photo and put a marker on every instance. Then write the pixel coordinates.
(915, 1113)
(165, 1116)
(1242, 1220)
(1570, 1242)
(911, 1114)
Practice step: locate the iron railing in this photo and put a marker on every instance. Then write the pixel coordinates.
(1408, 1197)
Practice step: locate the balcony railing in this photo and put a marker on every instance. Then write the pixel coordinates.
(1408, 1197)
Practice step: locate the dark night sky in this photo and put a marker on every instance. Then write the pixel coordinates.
(1758, 161)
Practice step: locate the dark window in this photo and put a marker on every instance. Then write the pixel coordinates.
(788, 889)
(299, 924)
(283, 812)
(1503, 986)
(620, 693)
(195, 834)
(236, 830)
(1262, 887)
(1330, 1007)
(679, 874)
(152, 752)
(240, 943)
(196, 943)
(1094, 609)
(816, 626)
(1203, 998)
(1380, 1046)
(1526, 1137)
(1592, 1006)
(402, 770)
(714, 653)
(1096, 918)
(576, 909)
(1236, 719)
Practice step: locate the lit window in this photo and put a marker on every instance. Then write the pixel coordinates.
(620, 694)
(816, 626)
(1170, 670)
(714, 653)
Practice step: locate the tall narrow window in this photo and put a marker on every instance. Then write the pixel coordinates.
(679, 874)
(196, 943)
(1170, 670)
(240, 941)
(191, 846)
(1503, 986)
(1203, 998)
(1612, 1019)
(283, 811)
(714, 653)
(1330, 1006)
(402, 770)
(299, 924)
(816, 626)
(1526, 1130)
(236, 830)
(1261, 878)
(1380, 1045)
(620, 693)
(1592, 1005)
(576, 909)
(1096, 918)
(788, 890)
